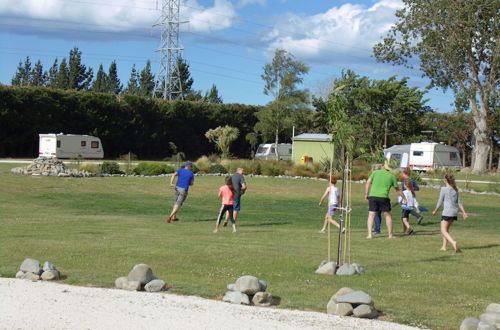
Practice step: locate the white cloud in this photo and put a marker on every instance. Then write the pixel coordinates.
(346, 30)
(243, 3)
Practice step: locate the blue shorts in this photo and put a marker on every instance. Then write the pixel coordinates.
(236, 204)
(331, 209)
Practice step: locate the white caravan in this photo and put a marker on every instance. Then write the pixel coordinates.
(269, 151)
(424, 156)
(70, 146)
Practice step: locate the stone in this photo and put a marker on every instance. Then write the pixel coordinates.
(493, 318)
(31, 265)
(141, 273)
(469, 323)
(262, 299)
(327, 268)
(247, 284)
(485, 326)
(262, 285)
(493, 308)
(231, 287)
(359, 269)
(132, 286)
(50, 275)
(365, 311)
(20, 274)
(236, 297)
(346, 269)
(355, 298)
(31, 276)
(47, 265)
(120, 282)
(340, 309)
(155, 286)
(342, 291)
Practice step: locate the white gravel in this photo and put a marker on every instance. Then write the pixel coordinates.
(45, 305)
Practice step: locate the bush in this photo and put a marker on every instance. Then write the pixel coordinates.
(273, 167)
(110, 168)
(360, 176)
(217, 168)
(89, 167)
(203, 164)
(153, 169)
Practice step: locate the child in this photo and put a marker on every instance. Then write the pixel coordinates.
(448, 197)
(226, 193)
(408, 207)
(333, 202)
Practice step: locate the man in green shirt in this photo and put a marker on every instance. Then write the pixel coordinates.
(377, 189)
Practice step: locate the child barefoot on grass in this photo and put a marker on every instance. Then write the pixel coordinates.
(448, 197)
(408, 207)
(226, 194)
(333, 202)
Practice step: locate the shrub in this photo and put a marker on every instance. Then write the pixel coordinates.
(360, 176)
(110, 168)
(203, 164)
(89, 167)
(217, 168)
(273, 167)
(153, 169)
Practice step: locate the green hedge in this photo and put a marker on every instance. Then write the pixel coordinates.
(153, 169)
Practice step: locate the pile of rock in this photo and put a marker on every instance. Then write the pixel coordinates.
(49, 166)
(30, 269)
(140, 278)
(250, 290)
(489, 320)
(347, 302)
(328, 268)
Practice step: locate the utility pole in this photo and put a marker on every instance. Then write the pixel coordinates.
(385, 135)
(167, 82)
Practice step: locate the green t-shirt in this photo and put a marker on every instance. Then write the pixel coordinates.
(382, 181)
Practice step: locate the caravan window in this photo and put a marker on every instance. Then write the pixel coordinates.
(94, 144)
(418, 153)
(273, 150)
(83, 143)
(262, 150)
(453, 156)
(58, 144)
(396, 156)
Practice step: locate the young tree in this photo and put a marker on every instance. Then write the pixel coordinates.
(146, 81)
(223, 136)
(114, 85)
(281, 77)
(212, 96)
(133, 83)
(22, 75)
(79, 78)
(100, 83)
(52, 75)
(62, 79)
(457, 43)
(182, 71)
(37, 76)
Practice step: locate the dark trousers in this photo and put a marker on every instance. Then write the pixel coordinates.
(223, 210)
(377, 220)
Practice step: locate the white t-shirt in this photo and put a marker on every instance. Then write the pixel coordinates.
(411, 202)
(334, 196)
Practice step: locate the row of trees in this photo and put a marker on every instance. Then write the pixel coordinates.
(72, 74)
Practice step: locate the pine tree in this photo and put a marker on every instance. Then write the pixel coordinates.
(182, 71)
(146, 81)
(114, 85)
(100, 83)
(62, 76)
(37, 76)
(133, 83)
(212, 96)
(22, 75)
(80, 77)
(52, 75)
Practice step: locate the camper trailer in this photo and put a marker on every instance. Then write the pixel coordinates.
(424, 156)
(70, 146)
(268, 151)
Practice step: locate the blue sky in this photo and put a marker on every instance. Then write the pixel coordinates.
(226, 42)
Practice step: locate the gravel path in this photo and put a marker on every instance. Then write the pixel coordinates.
(44, 305)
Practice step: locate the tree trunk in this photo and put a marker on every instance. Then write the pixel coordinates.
(490, 162)
(481, 145)
(464, 156)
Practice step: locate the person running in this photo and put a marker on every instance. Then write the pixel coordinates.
(407, 207)
(240, 187)
(449, 199)
(333, 203)
(226, 194)
(185, 178)
(407, 177)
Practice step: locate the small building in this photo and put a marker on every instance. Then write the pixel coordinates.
(316, 147)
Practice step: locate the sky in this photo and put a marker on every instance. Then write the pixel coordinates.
(225, 42)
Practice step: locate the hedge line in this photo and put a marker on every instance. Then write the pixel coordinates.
(126, 123)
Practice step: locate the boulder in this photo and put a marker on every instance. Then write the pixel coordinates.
(47, 265)
(327, 268)
(31, 265)
(485, 326)
(132, 285)
(342, 291)
(31, 276)
(262, 299)
(340, 309)
(120, 282)
(493, 308)
(262, 285)
(155, 286)
(346, 269)
(359, 269)
(247, 284)
(493, 318)
(355, 298)
(50, 275)
(365, 311)
(141, 273)
(231, 286)
(20, 274)
(469, 323)
(236, 297)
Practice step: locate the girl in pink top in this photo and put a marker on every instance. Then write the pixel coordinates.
(226, 193)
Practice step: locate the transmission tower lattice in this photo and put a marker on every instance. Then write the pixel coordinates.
(167, 82)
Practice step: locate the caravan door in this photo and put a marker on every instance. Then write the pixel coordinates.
(404, 160)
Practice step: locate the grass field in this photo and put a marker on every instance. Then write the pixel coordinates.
(97, 229)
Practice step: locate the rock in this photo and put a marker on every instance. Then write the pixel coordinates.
(31, 276)
(359, 269)
(31, 265)
(141, 273)
(120, 282)
(327, 268)
(493, 308)
(247, 284)
(365, 311)
(262, 299)
(493, 318)
(485, 326)
(50, 275)
(469, 323)
(231, 287)
(342, 292)
(132, 285)
(262, 285)
(355, 298)
(155, 286)
(346, 269)
(340, 309)
(47, 265)
(236, 297)
(20, 274)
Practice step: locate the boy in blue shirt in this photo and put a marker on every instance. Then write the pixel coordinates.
(185, 178)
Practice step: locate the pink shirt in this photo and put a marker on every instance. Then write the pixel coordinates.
(226, 194)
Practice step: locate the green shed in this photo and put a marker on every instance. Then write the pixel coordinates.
(315, 146)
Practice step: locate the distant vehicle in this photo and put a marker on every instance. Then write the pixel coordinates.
(269, 151)
(424, 156)
(70, 146)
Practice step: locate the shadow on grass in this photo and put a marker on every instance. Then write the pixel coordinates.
(441, 258)
(489, 246)
(277, 223)
(427, 233)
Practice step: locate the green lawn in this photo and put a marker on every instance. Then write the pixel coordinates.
(97, 229)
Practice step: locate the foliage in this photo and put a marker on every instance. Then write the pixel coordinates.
(145, 168)
(203, 164)
(457, 45)
(100, 84)
(89, 167)
(146, 81)
(110, 168)
(114, 86)
(217, 168)
(79, 77)
(223, 136)
(133, 83)
(212, 96)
